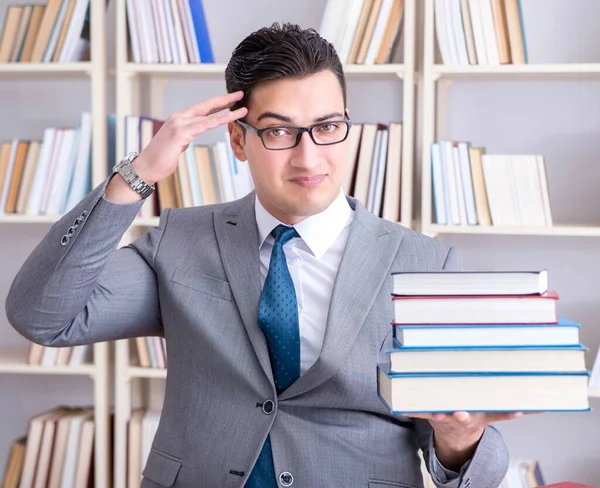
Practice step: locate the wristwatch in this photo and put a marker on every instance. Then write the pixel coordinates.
(125, 169)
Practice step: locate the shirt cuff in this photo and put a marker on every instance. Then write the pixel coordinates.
(440, 473)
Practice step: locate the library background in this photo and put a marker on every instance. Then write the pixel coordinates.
(474, 121)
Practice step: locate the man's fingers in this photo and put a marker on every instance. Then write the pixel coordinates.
(212, 105)
(199, 125)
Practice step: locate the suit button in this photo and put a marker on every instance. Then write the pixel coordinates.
(268, 407)
(83, 215)
(70, 232)
(76, 222)
(286, 478)
(65, 240)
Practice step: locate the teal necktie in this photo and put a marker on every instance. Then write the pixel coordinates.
(278, 319)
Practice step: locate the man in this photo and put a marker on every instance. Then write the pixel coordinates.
(274, 307)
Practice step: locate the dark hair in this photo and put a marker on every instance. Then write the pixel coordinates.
(278, 52)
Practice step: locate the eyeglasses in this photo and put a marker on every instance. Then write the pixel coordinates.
(287, 137)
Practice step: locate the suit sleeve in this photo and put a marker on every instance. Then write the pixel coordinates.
(77, 288)
(489, 464)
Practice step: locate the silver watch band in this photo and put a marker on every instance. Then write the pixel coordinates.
(125, 169)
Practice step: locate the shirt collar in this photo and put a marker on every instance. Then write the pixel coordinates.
(318, 231)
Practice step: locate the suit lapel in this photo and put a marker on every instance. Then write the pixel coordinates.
(237, 238)
(367, 259)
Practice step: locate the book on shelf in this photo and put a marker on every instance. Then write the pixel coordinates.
(44, 33)
(206, 173)
(523, 473)
(363, 31)
(472, 188)
(151, 352)
(56, 451)
(59, 356)
(47, 177)
(168, 31)
(373, 172)
(480, 32)
(141, 429)
(482, 352)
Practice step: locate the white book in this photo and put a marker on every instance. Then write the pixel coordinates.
(373, 170)
(132, 24)
(59, 183)
(478, 34)
(41, 171)
(81, 179)
(451, 184)
(440, 193)
(443, 34)
(380, 176)
(380, 27)
(353, 11)
(178, 31)
(467, 183)
(458, 31)
(69, 50)
(462, 208)
(491, 43)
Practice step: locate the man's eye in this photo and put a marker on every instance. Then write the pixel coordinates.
(277, 132)
(328, 127)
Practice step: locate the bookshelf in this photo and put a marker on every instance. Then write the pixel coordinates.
(437, 78)
(14, 360)
(131, 76)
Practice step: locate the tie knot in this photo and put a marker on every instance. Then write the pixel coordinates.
(283, 234)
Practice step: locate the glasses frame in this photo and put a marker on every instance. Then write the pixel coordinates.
(301, 130)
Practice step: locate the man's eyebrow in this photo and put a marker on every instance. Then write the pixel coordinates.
(288, 120)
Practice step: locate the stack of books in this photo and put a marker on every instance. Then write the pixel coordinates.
(481, 341)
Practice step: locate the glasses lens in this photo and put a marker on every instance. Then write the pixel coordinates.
(280, 137)
(330, 132)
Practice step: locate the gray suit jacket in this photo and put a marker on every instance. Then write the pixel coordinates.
(195, 279)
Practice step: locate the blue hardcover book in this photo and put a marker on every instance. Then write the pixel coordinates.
(563, 333)
(201, 29)
(482, 391)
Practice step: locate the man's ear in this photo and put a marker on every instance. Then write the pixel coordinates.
(237, 138)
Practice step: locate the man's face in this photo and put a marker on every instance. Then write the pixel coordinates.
(294, 183)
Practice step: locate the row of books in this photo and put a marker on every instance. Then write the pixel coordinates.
(481, 341)
(57, 31)
(363, 31)
(168, 31)
(151, 352)
(46, 177)
(474, 188)
(480, 32)
(59, 356)
(56, 452)
(373, 172)
(206, 173)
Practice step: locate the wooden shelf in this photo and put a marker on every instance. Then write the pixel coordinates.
(139, 372)
(44, 70)
(557, 230)
(571, 71)
(28, 219)
(218, 70)
(15, 361)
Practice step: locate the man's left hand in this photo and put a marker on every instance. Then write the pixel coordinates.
(456, 434)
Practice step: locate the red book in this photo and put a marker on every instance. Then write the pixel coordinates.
(476, 309)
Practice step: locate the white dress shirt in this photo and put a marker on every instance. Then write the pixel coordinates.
(313, 261)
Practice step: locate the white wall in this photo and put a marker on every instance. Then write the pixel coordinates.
(556, 119)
